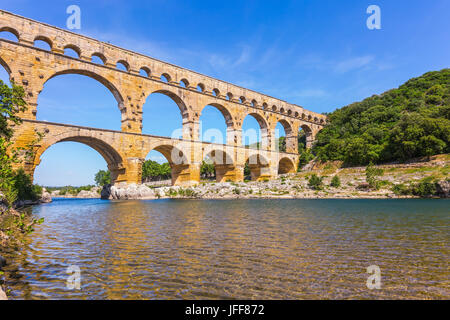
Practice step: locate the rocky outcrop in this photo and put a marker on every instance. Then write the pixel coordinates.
(46, 197)
(94, 193)
(127, 192)
(443, 188)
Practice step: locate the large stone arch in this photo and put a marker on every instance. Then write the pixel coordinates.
(5, 65)
(177, 155)
(309, 134)
(112, 157)
(175, 97)
(228, 117)
(91, 74)
(264, 129)
(291, 138)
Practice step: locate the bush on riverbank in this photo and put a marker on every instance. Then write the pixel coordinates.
(426, 187)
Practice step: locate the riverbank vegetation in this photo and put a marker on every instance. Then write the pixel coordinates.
(400, 124)
(15, 185)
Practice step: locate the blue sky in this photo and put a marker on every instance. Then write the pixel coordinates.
(318, 54)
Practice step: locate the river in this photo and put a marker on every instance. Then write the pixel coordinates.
(239, 249)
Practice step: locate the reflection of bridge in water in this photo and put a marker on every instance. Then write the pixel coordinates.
(125, 150)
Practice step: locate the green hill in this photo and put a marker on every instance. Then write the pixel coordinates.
(408, 122)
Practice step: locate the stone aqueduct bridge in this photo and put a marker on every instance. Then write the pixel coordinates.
(125, 150)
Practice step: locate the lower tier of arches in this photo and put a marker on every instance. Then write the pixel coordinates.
(125, 154)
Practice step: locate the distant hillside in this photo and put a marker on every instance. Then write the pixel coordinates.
(400, 124)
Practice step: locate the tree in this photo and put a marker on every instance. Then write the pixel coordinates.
(207, 170)
(152, 170)
(400, 124)
(11, 103)
(103, 178)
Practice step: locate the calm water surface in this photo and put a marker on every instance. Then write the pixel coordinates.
(244, 249)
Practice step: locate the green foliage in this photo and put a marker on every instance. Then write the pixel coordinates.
(25, 188)
(153, 171)
(247, 172)
(15, 185)
(306, 155)
(315, 182)
(207, 170)
(103, 178)
(11, 102)
(371, 176)
(282, 144)
(411, 121)
(424, 188)
(335, 182)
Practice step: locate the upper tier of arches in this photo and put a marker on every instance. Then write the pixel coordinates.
(133, 63)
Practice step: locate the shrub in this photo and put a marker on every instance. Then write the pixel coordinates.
(425, 187)
(315, 182)
(335, 182)
(401, 189)
(371, 176)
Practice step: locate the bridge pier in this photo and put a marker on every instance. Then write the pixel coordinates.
(186, 175)
(229, 173)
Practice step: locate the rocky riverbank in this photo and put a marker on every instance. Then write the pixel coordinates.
(397, 180)
(393, 181)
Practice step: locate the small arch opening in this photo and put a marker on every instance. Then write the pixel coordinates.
(145, 72)
(72, 51)
(43, 43)
(122, 65)
(98, 58)
(201, 87)
(10, 34)
(184, 83)
(165, 78)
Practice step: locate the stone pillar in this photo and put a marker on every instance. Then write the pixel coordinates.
(32, 87)
(129, 172)
(232, 173)
(234, 137)
(131, 110)
(186, 175)
(292, 143)
(191, 130)
(260, 172)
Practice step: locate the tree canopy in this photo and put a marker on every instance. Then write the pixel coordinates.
(400, 124)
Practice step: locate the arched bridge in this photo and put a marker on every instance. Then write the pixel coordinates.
(125, 150)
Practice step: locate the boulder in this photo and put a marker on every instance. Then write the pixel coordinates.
(443, 188)
(46, 197)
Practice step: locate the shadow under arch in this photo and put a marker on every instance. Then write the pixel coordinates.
(259, 167)
(110, 155)
(307, 135)
(224, 166)
(291, 140)
(285, 166)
